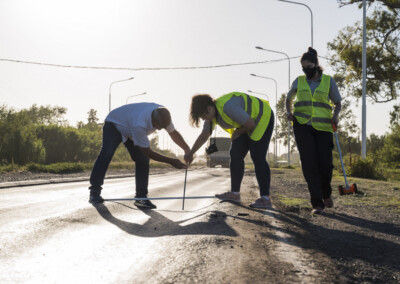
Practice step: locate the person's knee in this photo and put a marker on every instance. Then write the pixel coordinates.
(106, 154)
(236, 155)
(142, 161)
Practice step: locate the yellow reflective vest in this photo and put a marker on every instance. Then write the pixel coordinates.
(259, 110)
(315, 107)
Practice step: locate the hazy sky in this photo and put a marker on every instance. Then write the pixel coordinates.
(160, 33)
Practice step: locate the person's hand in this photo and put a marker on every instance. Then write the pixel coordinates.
(335, 120)
(289, 116)
(188, 157)
(176, 163)
(235, 135)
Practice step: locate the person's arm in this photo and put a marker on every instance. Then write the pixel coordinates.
(289, 99)
(289, 113)
(178, 139)
(338, 107)
(245, 128)
(336, 98)
(201, 139)
(163, 159)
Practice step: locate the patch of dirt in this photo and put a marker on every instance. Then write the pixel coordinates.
(359, 236)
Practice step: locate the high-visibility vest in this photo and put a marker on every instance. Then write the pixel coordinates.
(316, 107)
(259, 110)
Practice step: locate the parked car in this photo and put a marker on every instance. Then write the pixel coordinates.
(221, 157)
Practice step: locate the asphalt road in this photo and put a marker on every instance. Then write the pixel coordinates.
(50, 233)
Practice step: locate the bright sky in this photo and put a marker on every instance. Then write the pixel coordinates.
(160, 33)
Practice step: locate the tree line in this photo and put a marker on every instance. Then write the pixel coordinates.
(40, 134)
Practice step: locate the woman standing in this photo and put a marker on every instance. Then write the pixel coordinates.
(312, 124)
(250, 122)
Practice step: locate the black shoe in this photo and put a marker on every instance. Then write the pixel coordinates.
(95, 198)
(145, 204)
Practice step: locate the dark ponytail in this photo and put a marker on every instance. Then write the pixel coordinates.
(312, 56)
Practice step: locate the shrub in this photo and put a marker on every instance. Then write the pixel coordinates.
(58, 168)
(365, 169)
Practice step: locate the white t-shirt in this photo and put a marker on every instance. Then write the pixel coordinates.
(134, 121)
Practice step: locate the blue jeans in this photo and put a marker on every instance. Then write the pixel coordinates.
(258, 152)
(111, 140)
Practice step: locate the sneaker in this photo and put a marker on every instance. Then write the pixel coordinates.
(317, 210)
(229, 196)
(328, 202)
(145, 204)
(261, 203)
(95, 198)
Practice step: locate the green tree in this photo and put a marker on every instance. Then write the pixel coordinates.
(390, 152)
(383, 56)
(395, 115)
(392, 4)
(46, 115)
(92, 120)
(282, 122)
(18, 141)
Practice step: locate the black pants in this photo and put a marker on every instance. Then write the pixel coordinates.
(111, 139)
(315, 148)
(258, 152)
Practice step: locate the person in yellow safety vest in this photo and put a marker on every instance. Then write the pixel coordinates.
(312, 125)
(250, 122)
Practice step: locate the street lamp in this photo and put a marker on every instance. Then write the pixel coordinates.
(292, 2)
(134, 96)
(288, 58)
(109, 91)
(364, 87)
(262, 94)
(276, 110)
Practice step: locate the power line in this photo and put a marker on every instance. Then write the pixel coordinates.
(143, 68)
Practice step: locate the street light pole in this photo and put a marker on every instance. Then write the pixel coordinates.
(134, 96)
(276, 110)
(312, 25)
(288, 58)
(262, 94)
(109, 91)
(364, 87)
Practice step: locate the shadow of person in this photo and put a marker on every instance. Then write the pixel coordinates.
(158, 225)
(349, 246)
(382, 227)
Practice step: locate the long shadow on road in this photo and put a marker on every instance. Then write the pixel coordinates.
(158, 225)
(348, 247)
(351, 248)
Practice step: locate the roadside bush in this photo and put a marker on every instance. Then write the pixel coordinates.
(365, 169)
(10, 168)
(58, 168)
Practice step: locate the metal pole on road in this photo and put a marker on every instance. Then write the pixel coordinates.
(276, 110)
(134, 96)
(364, 87)
(312, 24)
(109, 91)
(184, 192)
(288, 58)
(158, 198)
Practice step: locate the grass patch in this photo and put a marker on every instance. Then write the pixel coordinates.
(392, 174)
(293, 202)
(68, 168)
(372, 193)
(58, 168)
(11, 168)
